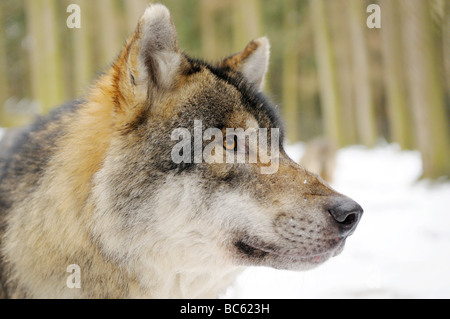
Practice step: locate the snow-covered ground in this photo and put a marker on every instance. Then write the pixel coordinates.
(401, 248)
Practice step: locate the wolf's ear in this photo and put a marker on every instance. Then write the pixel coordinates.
(159, 52)
(252, 62)
(151, 56)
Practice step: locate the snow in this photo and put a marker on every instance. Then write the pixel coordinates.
(401, 248)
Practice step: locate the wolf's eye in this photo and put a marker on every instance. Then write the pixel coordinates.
(229, 142)
(133, 80)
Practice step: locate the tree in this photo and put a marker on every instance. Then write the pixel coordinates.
(4, 87)
(246, 22)
(363, 97)
(290, 77)
(394, 76)
(446, 44)
(133, 11)
(426, 88)
(82, 50)
(107, 22)
(341, 43)
(215, 43)
(45, 54)
(329, 92)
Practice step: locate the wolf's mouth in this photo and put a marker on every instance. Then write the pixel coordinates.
(255, 251)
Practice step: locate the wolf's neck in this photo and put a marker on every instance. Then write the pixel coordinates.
(171, 282)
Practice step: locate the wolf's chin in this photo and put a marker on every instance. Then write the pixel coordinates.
(276, 258)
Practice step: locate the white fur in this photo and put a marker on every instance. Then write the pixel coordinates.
(168, 65)
(256, 65)
(181, 248)
(155, 11)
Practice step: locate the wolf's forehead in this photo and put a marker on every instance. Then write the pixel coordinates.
(226, 91)
(243, 119)
(254, 110)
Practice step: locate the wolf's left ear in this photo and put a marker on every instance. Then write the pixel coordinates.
(252, 62)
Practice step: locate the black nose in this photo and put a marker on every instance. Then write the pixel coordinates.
(347, 213)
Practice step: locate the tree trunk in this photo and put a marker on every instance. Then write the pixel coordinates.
(134, 9)
(329, 92)
(4, 87)
(45, 54)
(363, 99)
(397, 108)
(290, 107)
(33, 9)
(426, 88)
(341, 42)
(52, 56)
(109, 39)
(209, 45)
(446, 45)
(246, 22)
(82, 49)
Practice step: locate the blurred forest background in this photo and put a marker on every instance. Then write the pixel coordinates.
(330, 73)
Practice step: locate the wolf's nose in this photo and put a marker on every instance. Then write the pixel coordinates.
(347, 213)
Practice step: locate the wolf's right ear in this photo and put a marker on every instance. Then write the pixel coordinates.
(158, 50)
(151, 59)
(156, 56)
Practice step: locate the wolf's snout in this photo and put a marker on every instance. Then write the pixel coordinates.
(346, 213)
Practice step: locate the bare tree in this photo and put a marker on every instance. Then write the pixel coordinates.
(363, 96)
(45, 54)
(329, 92)
(107, 22)
(133, 11)
(341, 42)
(426, 88)
(214, 45)
(4, 87)
(246, 22)
(446, 43)
(394, 76)
(290, 106)
(83, 69)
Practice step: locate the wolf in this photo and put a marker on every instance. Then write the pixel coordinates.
(93, 184)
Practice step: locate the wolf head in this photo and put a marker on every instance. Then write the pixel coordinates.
(195, 214)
